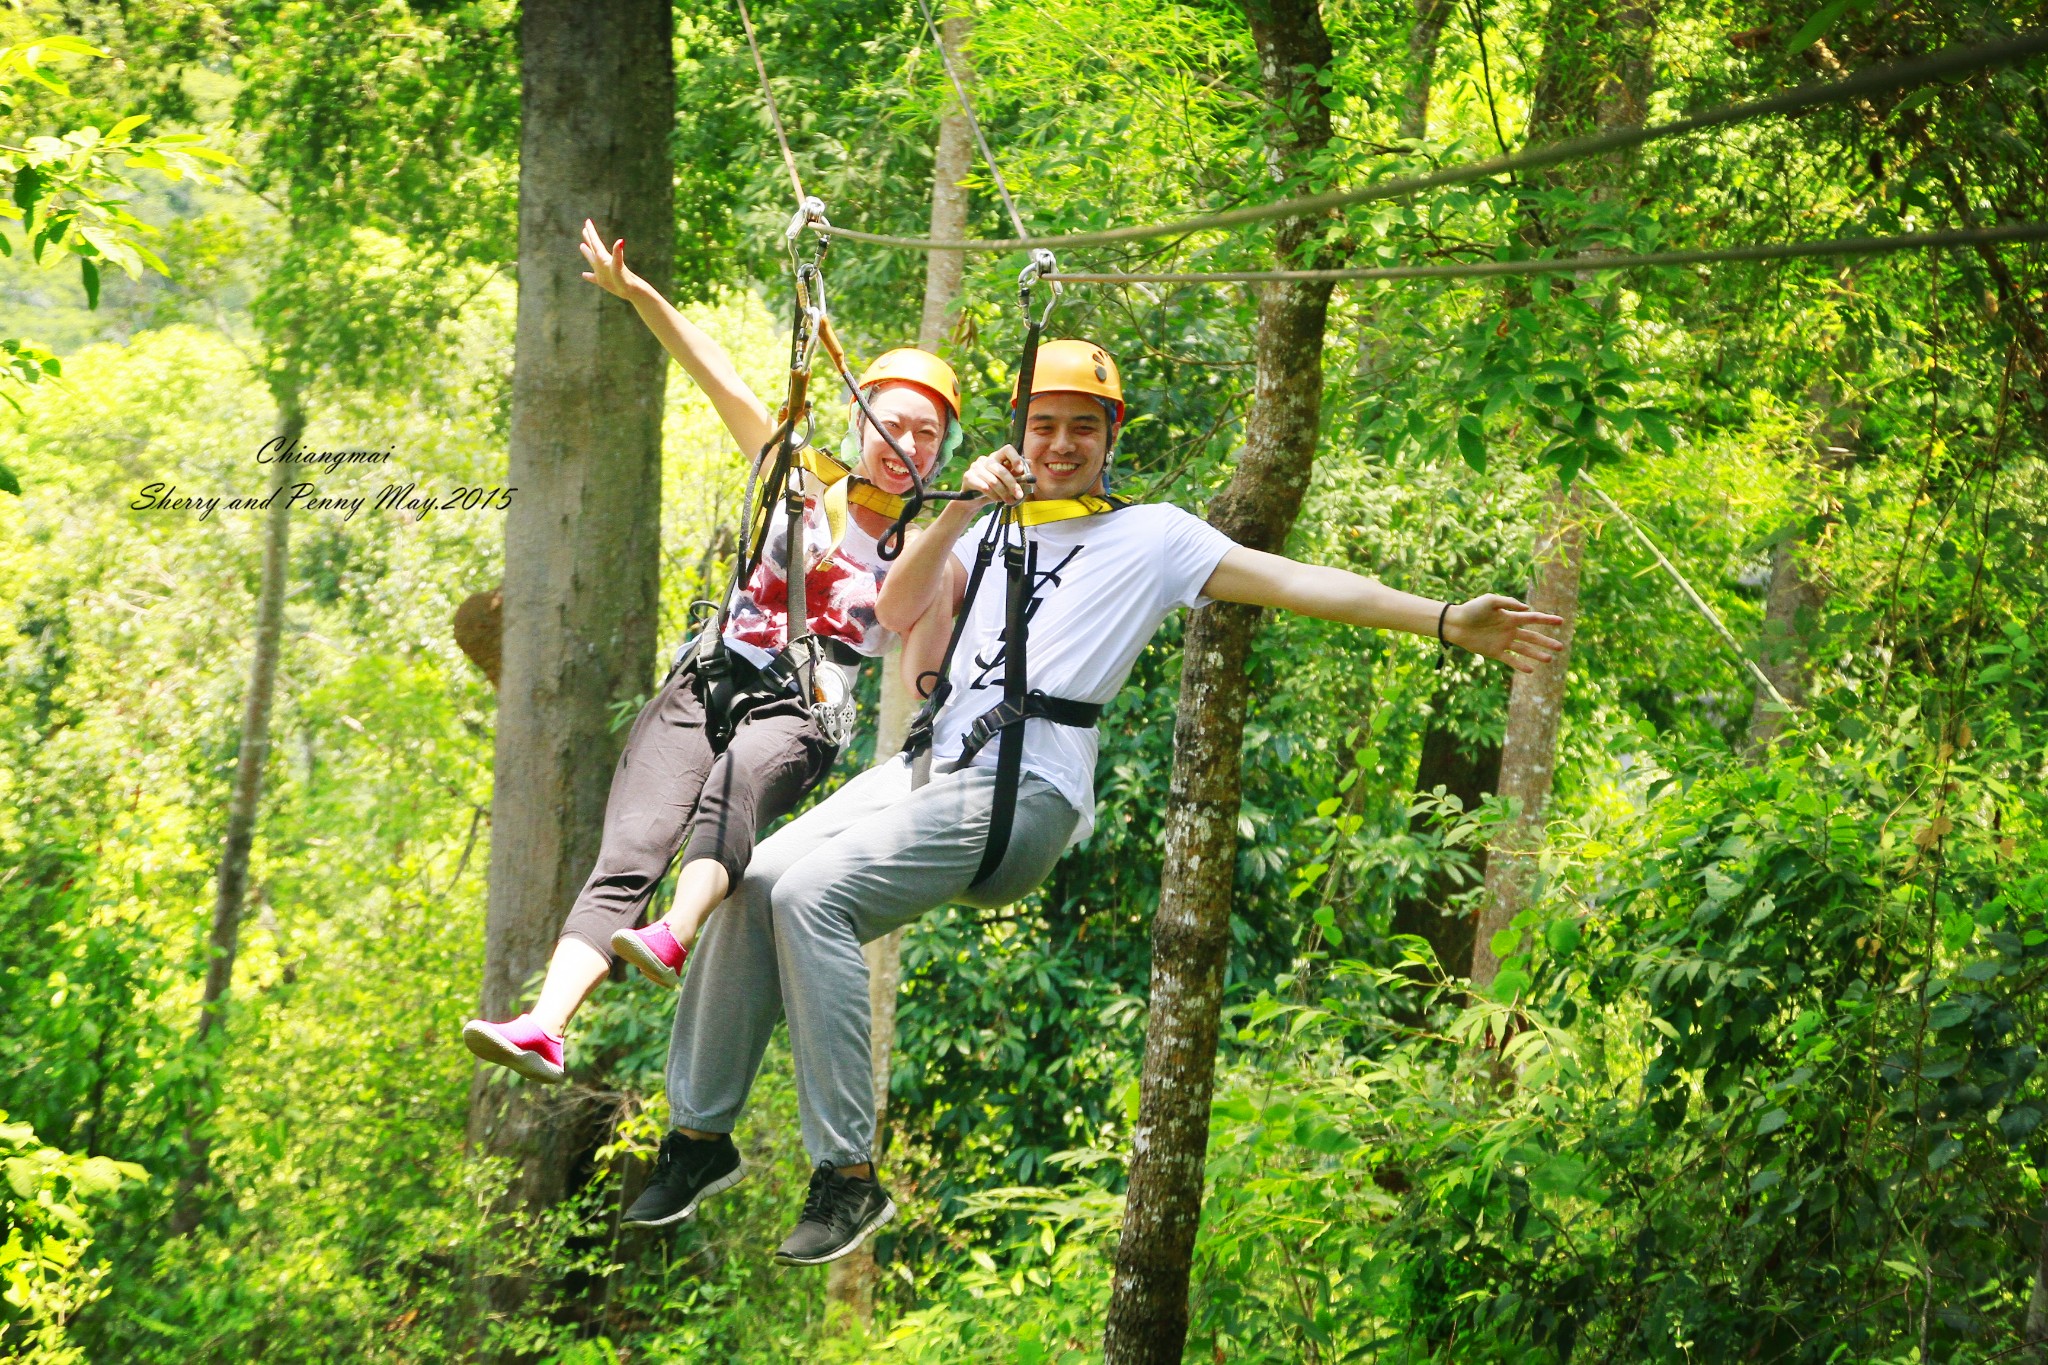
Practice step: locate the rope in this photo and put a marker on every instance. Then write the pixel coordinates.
(1955, 61)
(774, 114)
(1768, 251)
(1713, 618)
(967, 108)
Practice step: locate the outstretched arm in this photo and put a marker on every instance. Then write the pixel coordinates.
(1495, 626)
(744, 415)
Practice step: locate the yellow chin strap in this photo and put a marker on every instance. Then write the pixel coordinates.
(1040, 513)
(844, 487)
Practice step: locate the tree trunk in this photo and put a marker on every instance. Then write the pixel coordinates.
(1528, 759)
(1598, 69)
(2037, 1302)
(852, 1278)
(952, 159)
(1148, 1314)
(581, 538)
(1422, 40)
(850, 1281)
(1470, 772)
(231, 886)
(1790, 605)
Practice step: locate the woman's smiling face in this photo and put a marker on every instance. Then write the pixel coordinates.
(916, 420)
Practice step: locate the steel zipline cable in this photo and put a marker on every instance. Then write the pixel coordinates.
(774, 114)
(1951, 62)
(967, 108)
(1557, 265)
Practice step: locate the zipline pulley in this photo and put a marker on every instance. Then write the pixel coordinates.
(810, 213)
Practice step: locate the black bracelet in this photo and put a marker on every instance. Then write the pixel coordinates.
(1443, 647)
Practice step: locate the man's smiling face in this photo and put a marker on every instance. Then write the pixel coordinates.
(1066, 439)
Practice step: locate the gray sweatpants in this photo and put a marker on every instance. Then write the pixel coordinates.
(873, 856)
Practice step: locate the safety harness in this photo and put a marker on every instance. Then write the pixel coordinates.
(1004, 722)
(730, 688)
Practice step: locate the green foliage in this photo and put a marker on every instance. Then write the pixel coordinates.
(44, 1198)
(1759, 1078)
(67, 199)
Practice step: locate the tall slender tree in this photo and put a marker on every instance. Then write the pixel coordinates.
(231, 881)
(329, 317)
(1793, 598)
(1467, 769)
(597, 102)
(1596, 72)
(1148, 1315)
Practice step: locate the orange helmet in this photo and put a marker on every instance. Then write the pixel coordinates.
(1077, 367)
(908, 365)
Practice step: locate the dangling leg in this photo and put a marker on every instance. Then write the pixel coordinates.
(916, 850)
(654, 791)
(731, 998)
(776, 756)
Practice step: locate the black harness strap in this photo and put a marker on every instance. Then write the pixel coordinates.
(917, 742)
(1007, 715)
(1004, 722)
(1016, 627)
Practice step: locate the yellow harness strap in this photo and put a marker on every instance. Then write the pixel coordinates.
(844, 487)
(833, 475)
(1039, 513)
(828, 470)
(865, 494)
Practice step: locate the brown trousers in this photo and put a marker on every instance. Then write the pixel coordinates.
(673, 789)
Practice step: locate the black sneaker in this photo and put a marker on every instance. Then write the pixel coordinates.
(839, 1212)
(685, 1171)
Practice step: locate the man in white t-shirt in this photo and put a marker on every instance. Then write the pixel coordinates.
(883, 851)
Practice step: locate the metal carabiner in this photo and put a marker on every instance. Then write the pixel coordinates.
(811, 214)
(810, 304)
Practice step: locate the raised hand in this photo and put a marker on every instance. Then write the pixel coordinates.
(1504, 629)
(607, 267)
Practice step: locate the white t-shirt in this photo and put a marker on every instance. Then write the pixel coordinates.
(1100, 587)
(840, 590)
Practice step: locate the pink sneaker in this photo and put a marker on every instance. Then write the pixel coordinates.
(520, 1044)
(653, 950)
